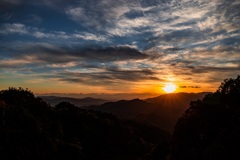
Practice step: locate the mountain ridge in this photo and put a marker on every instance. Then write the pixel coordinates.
(162, 111)
(80, 102)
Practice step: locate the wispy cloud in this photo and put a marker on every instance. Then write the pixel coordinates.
(14, 28)
(22, 29)
(90, 36)
(112, 76)
(13, 63)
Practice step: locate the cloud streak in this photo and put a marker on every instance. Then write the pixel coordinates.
(106, 77)
(22, 29)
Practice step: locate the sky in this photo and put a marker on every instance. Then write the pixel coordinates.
(118, 46)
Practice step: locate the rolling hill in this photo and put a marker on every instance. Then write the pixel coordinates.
(162, 111)
(80, 102)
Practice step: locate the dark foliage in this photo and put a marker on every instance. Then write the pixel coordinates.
(210, 128)
(31, 129)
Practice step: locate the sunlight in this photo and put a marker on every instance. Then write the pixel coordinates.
(169, 88)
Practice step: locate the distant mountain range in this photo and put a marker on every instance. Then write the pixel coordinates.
(106, 96)
(80, 102)
(161, 111)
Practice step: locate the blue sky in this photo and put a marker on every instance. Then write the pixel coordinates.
(85, 46)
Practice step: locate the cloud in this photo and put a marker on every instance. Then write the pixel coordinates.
(109, 76)
(90, 36)
(13, 63)
(64, 55)
(209, 22)
(189, 86)
(22, 29)
(14, 28)
(63, 65)
(54, 54)
(209, 69)
(97, 16)
(39, 34)
(76, 13)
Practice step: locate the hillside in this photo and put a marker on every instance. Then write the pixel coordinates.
(126, 109)
(173, 97)
(87, 101)
(162, 111)
(31, 129)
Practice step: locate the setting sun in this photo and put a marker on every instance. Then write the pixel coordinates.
(169, 88)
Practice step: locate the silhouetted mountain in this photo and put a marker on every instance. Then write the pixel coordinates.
(162, 111)
(31, 129)
(174, 97)
(110, 97)
(87, 101)
(166, 109)
(124, 109)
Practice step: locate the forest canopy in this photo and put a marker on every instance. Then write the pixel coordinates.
(210, 128)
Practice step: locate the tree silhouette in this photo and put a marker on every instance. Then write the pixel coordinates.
(210, 128)
(31, 129)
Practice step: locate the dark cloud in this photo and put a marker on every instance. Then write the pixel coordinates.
(90, 54)
(108, 76)
(133, 75)
(95, 14)
(133, 14)
(173, 50)
(229, 41)
(90, 66)
(185, 35)
(189, 87)
(188, 23)
(54, 54)
(209, 69)
(180, 39)
(112, 54)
